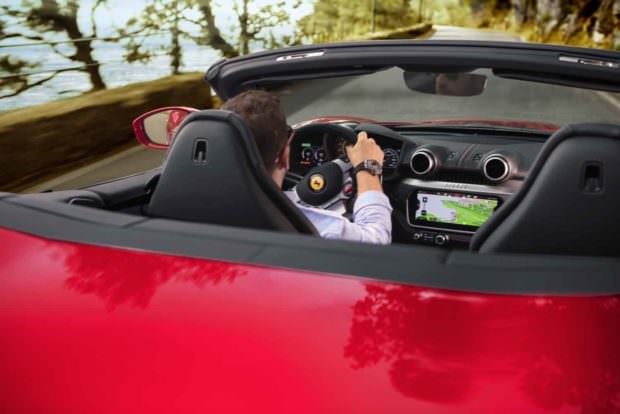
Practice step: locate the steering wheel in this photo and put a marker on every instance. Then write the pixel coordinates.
(325, 185)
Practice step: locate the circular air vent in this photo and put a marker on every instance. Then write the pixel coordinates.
(422, 162)
(496, 168)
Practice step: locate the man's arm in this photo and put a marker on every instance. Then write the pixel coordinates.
(372, 213)
(372, 222)
(365, 149)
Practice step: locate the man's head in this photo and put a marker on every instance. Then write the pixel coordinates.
(261, 112)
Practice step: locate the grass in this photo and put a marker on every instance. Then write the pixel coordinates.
(469, 216)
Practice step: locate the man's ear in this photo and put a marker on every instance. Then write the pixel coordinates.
(283, 158)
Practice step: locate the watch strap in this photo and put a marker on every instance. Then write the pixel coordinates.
(372, 166)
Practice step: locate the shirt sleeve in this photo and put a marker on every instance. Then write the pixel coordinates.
(372, 219)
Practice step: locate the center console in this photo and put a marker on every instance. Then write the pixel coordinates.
(446, 213)
(440, 217)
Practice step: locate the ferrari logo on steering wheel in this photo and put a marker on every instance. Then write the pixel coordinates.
(317, 182)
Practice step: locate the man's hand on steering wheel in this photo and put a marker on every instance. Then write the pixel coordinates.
(335, 183)
(365, 149)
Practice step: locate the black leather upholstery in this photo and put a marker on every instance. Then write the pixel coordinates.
(570, 201)
(214, 174)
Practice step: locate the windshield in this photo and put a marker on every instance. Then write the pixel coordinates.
(384, 96)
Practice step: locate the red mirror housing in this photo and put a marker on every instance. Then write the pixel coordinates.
(156, 128)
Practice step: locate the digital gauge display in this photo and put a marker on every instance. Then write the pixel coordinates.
(316, 150)
(311, 155)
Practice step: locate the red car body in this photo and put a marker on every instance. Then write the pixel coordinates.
(106, 324)
(97, 329)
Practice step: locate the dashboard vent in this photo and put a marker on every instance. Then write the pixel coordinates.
(423, 162)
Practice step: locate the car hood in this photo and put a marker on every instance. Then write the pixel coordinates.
(88, 328)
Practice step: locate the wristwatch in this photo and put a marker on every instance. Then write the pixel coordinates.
(372, 166)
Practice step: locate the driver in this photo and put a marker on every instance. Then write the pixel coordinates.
(261, 112)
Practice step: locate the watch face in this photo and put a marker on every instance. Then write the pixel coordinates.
(373, 166)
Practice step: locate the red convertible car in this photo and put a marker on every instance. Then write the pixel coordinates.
(199, 287)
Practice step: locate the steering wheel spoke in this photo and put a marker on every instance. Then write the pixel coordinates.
(291, 180)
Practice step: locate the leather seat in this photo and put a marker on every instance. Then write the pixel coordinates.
(214, 174)
(570, 202)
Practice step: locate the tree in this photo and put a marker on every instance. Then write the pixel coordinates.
(603, 21)
(42, 21)
(338, 19)
(161, 16)
(210, 33)
(255, 25)
(584, 22)
(194, 20)
(14, 67)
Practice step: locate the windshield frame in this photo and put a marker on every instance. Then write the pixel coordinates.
(548, 63)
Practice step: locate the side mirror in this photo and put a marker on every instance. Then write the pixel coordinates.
(156, 128)
(448, 84)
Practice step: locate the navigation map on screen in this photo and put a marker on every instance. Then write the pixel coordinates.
(453, 208)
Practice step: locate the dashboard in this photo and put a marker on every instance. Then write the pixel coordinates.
(308, 151)
(443, 183)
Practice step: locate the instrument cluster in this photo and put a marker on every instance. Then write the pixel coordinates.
(312, 155)
(309, 151)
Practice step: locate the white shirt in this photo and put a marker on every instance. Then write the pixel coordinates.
(372, 219)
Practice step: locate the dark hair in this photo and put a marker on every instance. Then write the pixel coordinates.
(261, 112)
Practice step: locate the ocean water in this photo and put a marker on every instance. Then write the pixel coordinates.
(115, 71)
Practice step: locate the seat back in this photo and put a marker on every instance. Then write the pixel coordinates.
(214, 174)
(569, 203)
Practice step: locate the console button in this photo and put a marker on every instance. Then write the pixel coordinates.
(347, 190)
(429, 237)
(441, 239)
(417, 236)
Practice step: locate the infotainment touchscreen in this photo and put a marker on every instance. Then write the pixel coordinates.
(451, 210)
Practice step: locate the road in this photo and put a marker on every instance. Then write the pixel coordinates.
(502, 98)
